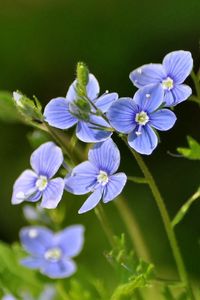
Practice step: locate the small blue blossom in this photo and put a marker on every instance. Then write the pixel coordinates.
(59, 112)
(52, 253)
(138, 117)
(31, 185)
(171, 74)
(48, 293)
(8, 297)
(97, 175)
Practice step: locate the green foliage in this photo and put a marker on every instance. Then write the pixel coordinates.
(193, 152)
(37, 137)
(8, 110)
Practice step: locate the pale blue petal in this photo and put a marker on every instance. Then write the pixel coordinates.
(147, 74)
(114, 187)
(179, 93)
(8, 297)
(150, 97)
(178, 65)
(168, 98)
(163, 119)
(91, 201)
(56, 114)
(36, 239)
(122, 115)
(53, 193)
(60, 269)
(105, 156)
(90, 133)
(82, 179)
(49, 293)
(24, 187)
(47, 159)
(70, 240)
(92, 89)
(104, 102)
(32, 262)
(144, 143)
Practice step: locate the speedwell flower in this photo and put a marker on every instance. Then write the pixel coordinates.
(50, 252)
(175, 68)
(61, 112)
(97, 175)
(32, 185)
(138, 117)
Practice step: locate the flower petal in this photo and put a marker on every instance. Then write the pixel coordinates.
(57, 114)
(92, 89)
(90, 133)
(36, 239)
(24, 187)
(163, 119)
(178, 65)
(61, 269)
(177, 95)
(105, 156)
(114, 187)
(82, 178)
(47, 159)
(104, 102)
(147, 74)
(32, 262)
(53, 193)
(71, 240)
(150, 97)
(122, 115)
(91, 201)
(144, 143)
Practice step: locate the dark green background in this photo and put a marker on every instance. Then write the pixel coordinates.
(40, 44)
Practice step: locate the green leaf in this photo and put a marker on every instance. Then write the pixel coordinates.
(8, 110)
(193, 152)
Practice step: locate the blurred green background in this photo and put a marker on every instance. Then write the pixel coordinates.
(40, 44)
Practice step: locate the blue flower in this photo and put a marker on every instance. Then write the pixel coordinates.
(59, 112)
(50, 252)
(48, 293)
(138, 116)
(32, 185)
(175, 68)
(97, 175)
(8, 297)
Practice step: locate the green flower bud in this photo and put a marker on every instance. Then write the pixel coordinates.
(82, 74)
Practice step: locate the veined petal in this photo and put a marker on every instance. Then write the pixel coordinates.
(35, 239)
(178, 65)
(147, 74)
(150, 97)
(91, 201)
(60, 269)
(163, 119)
(57, 114)
(82, 178)
(104, 102)
(92, 89)
(114, 187)
(105, 156)
(122, 115)
(47, 159)
(144, 143)
(90, 133)
(178, 94)
(24, 187)
(53, 193)
(32, 262)
(70, 240)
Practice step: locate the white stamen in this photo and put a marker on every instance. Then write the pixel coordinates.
(142, 118)
(138, 133)
(41, 183)
(139, 70)
(33, 233)
(168, 83)
(53, 254)
(148, 95)
(102, 178)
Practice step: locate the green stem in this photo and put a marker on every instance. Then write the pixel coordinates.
(166, 221)
(61, 291)
(105, 224)
(196, 83)
(137, 179)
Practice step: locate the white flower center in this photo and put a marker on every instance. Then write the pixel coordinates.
(41, 183)
(33, 233)
(168, 84)
(102, 178)
(53, 254)
(142, 118)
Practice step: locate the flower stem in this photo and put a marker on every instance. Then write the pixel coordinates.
(196, 83)
(166, 221)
